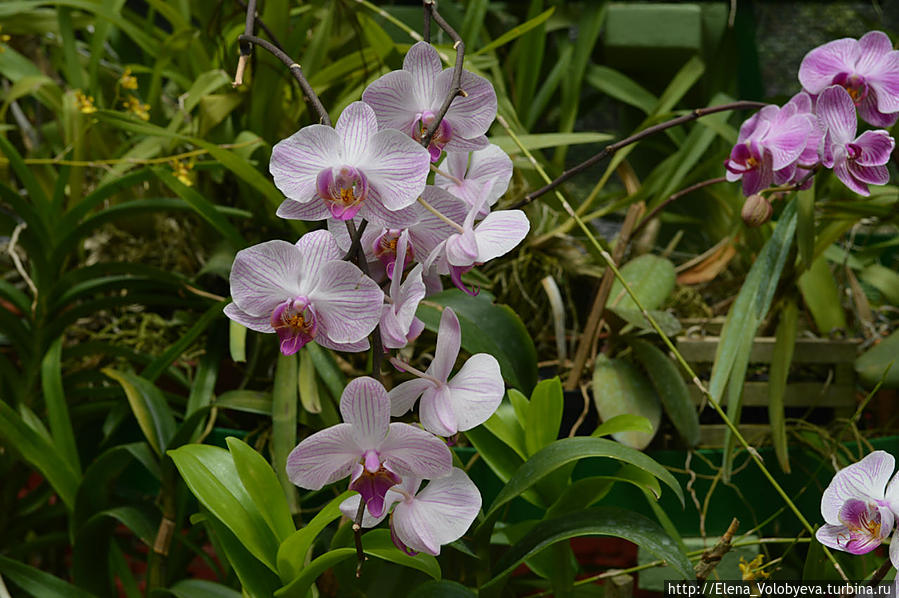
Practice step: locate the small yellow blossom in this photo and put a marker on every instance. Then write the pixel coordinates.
(127, 80)
(84, 103)
(142, 111)
(4, 38)
(182, 172)
(753, 569)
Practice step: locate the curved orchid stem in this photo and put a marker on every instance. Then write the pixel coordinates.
(610, 263)
(446, 175)
(402, 365)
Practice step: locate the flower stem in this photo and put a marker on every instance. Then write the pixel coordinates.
(446, 175)
(402, 365)
(357, 536)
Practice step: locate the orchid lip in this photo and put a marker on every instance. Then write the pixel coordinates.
(854, 84)
(373, 485)
(441, 136)
(344, 189)
(295, 322)
(384, 248)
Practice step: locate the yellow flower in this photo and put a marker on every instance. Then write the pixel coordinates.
(182, 172)
(4, 38)
(142, 111)
(84, 103)
(127, 80)
(753, 569)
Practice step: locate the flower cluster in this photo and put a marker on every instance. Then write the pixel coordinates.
(861, 505)
(369, 176)
(842, 80)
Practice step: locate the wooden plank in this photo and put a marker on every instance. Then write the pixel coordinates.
(712, 435)
(808, 350)
(797, 394)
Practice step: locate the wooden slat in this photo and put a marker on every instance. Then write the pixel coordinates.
(797, 394)
(712, 435)
(807, 350)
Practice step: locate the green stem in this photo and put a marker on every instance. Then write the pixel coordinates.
(610, 263)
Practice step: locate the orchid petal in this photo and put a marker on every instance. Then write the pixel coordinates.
(449, 341)
(324, 457)
(403, 396)
(439, 514)
(461, 144)
(354, 347)
(870, 113)
(476, 391)
(789, 140)
(423, 64)
(297, 160)
(500, 232)
(356, 125)
(350, 507)
(347, 302)
(310, 211)
(865, 481)
(378, 215)
(265, 275)
(842, 170)
(837, 111)
(436, 411)
(819, 66)
(365, 405)
(409, 450)
(842, 538)
(876, 147)
(257, 323)
(871, 175)
(397, 167)
(317, 249)
(392, 99)
(471, 115)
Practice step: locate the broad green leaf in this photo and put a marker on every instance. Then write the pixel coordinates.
(781, 358)
(822, 297)
(623, 423)
(884, 280)
(506, 426)
(204, 208)
(602, 521)
(517, 31)
(158, 365)
(568, 450)
(537, 141)
(256, 579)
(262, 485)
(38, 583)
(669, 324)
(500, 458)
(872, 364)
(650, 277)
(544, 415)
(619, 388)
(488, 328)
(670, 387)
(152, 413)
(212, 477)
(328, 371)
(441, 589)
(299, 586)
(38, 451)
(529, 51)
(57, 406)
(284, 423)
(293, 550)
(378, 543)
(307, 385)
(200, 588)
(805, 226)
(621, 87)
(473, 22)
(249, 401)
(237, 341)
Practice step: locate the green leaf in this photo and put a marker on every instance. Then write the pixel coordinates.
(300, 585)
(37, 583)
(212, 477)
(441, 589)
(884, 280)
(669, 324)
(650, 277)
(619, 388)
(544, 415)
(506, 426)
(670, 387)
(781, 358)
(149, 407)
(284, 423)
(57, 407)
(203, 207)
(822, 297)
(621, 87)
(328, 371)
(200, 588)
(488, 328)
(599, 521)
(500, 458)
(38, 451)
(307, 385)
(378, 543)
(537, 141)
(256, 580)
(623, 423)
(873, 363)
(237, 341)
(158, 365)
(262, 485)
(249, 401)
(568, 450)
(805, 226)
(516, 32)
(293, 550)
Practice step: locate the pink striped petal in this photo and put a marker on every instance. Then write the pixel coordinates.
(365, 405)
(379, 215)
(403, 397)
(350, 507)
(449, 341)
(393, 101)
(789, 140)
(423, 65)
(347, 302)
(476, 391)
(439, 514)
(472, 115)
(397, 167)
(873, 47)
(317, 249)
(870, 113)
(871, 175)
(436, 411)
(460, 144)
(865, 481)
(355, 347)
(324, 457)
(265, 275)
(257, 323)
(430, 230)
(841, 169)
(876, 147)
(297, 160)
(500, 232)
(356, 125)
(837, 111)
(313, 210)
(819, 66)
(409, 450)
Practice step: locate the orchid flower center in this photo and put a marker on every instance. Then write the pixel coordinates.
(854, 84)
(863, 524)
(343, 189)
(373, 481)
(744, 157)
(853, 151)
(440, 138)
(294, 321)
(384, 248)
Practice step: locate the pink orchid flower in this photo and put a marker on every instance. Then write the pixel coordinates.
(398, 322)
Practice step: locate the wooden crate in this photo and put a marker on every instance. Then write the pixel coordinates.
(700, 341)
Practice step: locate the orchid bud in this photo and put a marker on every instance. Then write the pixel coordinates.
(756, 210)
